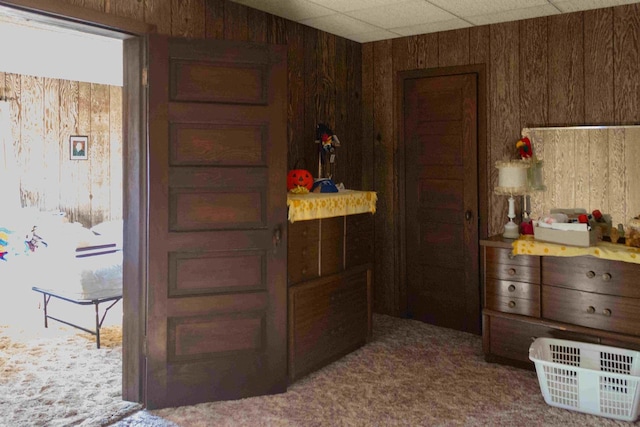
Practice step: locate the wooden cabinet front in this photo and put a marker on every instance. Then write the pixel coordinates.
(508, 338)
(328, 318)
(330, 301)
(358, 245)
(303, 251)
(579, 298)
(331, 245)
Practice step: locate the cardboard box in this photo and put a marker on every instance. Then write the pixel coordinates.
(566, 237)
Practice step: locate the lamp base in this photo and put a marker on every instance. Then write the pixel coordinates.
(511, 230)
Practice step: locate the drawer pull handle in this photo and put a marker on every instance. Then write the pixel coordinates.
(512, 272)
(304, 271)
(591, 274)
(606, 277)
(606, 312)
(511, 255)
(511, 288)
(591, 309)
(512, 304)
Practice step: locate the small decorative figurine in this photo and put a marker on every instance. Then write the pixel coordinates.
(327, 158)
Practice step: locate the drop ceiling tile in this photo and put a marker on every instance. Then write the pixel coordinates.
(409, 17)
(433, 27)
(348, 6)
(340, 25)
(566, 6)
(464, 8)
(401, 14)
(513, 15)
(294, 10)
(373, 36)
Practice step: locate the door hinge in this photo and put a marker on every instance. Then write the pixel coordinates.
(144, 347)
(145, 77)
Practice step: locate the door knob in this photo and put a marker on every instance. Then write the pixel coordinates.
(468, 215)
(277, 238)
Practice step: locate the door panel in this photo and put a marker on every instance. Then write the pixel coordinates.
(193, 144)
(216, 311)
(441, 200)
(211, 79)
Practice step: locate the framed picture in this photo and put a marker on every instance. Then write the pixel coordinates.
(79, 147)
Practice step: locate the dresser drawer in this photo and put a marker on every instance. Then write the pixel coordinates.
(513, 297)
(591, 274)
(506, 256)
(358, 240)
(609, 313)
(328, 317)
(621, 343)
(358, 249)
(348, 298)
(332, 245)
(302, 264)
(510, 288)
(329, 300)
(302, 250)
(360, 223)
(525, 307)
(304, 232)
(311, 352)
(511, 338)
(513, 272)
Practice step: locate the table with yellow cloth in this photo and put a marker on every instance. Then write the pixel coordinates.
(528, 246)
(326, 205)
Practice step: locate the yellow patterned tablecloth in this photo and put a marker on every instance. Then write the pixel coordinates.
(605, 250)
(327, 205)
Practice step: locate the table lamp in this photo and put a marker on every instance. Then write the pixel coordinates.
(512, 181)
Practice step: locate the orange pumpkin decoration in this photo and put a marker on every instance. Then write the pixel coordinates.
(299, 177)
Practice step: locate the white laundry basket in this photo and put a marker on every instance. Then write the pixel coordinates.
(591, 378)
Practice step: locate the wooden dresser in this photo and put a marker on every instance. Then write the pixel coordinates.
(580, 298)
(330, 282)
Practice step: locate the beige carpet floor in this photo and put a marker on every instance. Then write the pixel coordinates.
(411, 374)
(57, 377)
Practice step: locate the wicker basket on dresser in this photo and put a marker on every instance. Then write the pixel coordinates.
(330, 280)
(579, 298)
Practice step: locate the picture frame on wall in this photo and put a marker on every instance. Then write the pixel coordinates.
(79, 147)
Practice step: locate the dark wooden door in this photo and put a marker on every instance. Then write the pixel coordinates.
(441, 200)
(216, 299)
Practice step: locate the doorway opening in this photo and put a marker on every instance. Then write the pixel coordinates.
(90, 206)
(62, 89)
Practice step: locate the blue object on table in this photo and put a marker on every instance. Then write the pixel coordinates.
(325, 184)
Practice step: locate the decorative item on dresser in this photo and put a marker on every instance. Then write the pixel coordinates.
(512, 181)
(579, 298)
(330, 277)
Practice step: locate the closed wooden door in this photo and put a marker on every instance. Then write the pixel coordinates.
(441, 200)
(216, 297)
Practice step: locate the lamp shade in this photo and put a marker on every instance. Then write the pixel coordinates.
(512, 177)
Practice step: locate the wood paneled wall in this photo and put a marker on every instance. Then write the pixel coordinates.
(324, 84)
(572, 69)
(44, 113)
